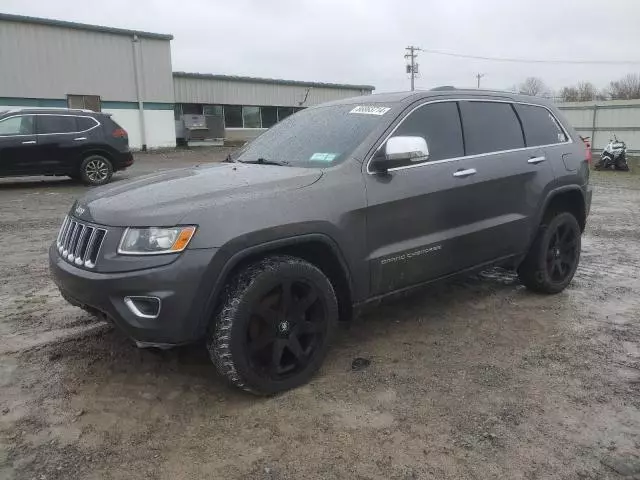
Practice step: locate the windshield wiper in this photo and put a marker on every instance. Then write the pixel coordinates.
(264, 161)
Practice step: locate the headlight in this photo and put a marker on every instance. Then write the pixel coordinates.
(155, 240)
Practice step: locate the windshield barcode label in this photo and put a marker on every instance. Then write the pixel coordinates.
(370, 110)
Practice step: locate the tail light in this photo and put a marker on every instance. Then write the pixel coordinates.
(119, 133)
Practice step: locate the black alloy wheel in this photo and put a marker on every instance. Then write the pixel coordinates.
(287, 326)
(562, 256)
(274, 325)
(554, 255)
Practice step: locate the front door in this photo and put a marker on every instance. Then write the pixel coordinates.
(18, 145)
(420, 217)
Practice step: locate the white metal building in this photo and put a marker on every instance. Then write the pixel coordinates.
(128, 73)
(247, 106)
(51, 63)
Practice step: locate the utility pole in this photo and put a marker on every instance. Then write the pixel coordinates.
(479, 76)
(412, 66)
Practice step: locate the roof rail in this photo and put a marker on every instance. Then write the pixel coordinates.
(443, 87)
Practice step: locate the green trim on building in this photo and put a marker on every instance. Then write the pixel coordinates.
(62, 103)
(158, 106)
(33, 102)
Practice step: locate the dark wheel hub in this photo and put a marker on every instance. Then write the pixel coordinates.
(562, 253)
(287, 326)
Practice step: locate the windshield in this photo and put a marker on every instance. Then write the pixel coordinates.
(316, 137)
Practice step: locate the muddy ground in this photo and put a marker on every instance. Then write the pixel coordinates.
(475, 379)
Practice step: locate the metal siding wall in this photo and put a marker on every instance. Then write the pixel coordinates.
(621, 117)
(201, 90)
(40, 61)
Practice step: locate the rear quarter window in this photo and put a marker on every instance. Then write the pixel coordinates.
(540, 126)
(490, 127)
(85, 123)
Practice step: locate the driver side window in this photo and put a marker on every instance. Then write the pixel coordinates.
(20, 125)
(439, 124)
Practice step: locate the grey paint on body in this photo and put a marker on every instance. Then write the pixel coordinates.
(393, 230)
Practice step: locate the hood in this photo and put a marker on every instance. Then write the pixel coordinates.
(167, 197)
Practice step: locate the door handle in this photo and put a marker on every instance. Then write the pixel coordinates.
(79, 138)
(465, 173)
(537, 160)
(29, 142)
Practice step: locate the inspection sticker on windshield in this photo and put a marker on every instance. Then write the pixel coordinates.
(323, 157)
(370, 110)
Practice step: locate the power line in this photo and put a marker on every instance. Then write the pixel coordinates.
(530, 60)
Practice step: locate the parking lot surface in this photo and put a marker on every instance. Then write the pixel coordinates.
(474, 379)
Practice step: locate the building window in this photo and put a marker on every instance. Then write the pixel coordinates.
(284, 112)
(233, 116)
(251, 117)
(86, 102)
(191, 109)
(212, 110)
(269, 116)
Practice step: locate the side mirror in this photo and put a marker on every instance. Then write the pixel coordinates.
(399, 150)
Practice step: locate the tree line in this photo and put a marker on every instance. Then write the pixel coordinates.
(626, 88)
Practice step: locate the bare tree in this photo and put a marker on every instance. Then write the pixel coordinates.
(533, 86)
(569, 94)
(626, 88)
(582, 92)
(586, 91)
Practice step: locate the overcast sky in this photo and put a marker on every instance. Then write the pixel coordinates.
(363, 41)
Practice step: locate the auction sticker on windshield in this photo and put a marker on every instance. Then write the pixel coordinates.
(323, 157)
(370, 110)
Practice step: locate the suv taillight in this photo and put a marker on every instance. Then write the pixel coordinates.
(119, 133)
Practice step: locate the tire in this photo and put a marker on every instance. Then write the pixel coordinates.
(266, 341)
(554, 256)
(96, 170)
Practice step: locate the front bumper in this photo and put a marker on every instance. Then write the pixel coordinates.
(184, 287)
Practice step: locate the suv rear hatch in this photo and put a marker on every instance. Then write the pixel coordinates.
(115, 134)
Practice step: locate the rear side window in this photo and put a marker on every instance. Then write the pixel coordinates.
(56, 124)
(20, 125)
(85, 123)
(490, 127)
(540, 127)
(439, 125)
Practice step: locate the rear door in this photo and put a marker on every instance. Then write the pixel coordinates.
(18, 146)
(510, 178)
(58, 141)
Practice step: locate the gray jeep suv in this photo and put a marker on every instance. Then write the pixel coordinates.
(338, 205)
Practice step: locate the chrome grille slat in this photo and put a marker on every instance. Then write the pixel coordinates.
(67, 240)
(62, 230)
(79, 243)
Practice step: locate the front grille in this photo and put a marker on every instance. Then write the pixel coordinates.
(79, 243)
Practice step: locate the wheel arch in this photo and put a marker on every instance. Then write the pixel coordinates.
(318, 249)
(570, 199)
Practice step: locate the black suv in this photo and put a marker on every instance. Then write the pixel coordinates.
(337, 206)
(81, 144)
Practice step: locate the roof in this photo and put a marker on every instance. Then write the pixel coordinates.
(275, 81)
(49, 110)
(82, 26)
(448, 92)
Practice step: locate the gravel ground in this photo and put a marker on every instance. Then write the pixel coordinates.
(473, 379)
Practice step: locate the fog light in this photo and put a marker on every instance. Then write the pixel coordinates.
(143, 307)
